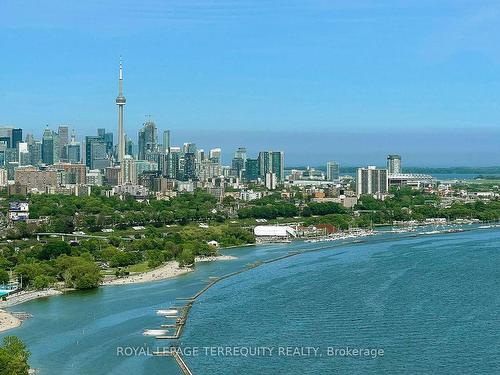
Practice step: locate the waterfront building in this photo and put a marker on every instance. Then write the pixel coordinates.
(394, 164)
(372, 181)
(332, 171)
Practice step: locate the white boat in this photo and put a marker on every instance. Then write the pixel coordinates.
(167, 312)
(154, 332)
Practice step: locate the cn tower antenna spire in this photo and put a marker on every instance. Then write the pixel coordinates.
(120, 102)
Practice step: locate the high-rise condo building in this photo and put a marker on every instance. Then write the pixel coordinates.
(63, 141)
(372, 181)
(166, 141)
(238, 162)
(73, 150)
(332, 171)
(252, 169)
(95, 152)
(394, 164)
(272, 161)
(148, 140)
(50, 147)
(128, 170)
(11, 136)
(215, 155)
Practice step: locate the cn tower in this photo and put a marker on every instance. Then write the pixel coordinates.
(120, 102)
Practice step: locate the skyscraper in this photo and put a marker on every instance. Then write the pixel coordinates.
(73, 150)
(252, 169)
(166, 141)
(148, 140)
(120, 102)
(272, 161)
(371, 181)
(238, 162)
(95, 152)
(394, 164)
(63, 141)
(189, 166)
(50, 147)
(215, 155)
(17, 136)
(332, 171)
(128, 170)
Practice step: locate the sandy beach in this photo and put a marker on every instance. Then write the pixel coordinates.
(8, 321)
(167, 271)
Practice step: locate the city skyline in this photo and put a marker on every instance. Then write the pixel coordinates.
(343, 84)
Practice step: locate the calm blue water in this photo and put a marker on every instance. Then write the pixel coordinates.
(430, 303)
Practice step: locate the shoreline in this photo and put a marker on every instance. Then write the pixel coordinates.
(166, 271)
(214, 258)
(25, 296)
(8, 321)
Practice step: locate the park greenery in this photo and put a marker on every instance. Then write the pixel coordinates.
(13, 357)
(181, 229)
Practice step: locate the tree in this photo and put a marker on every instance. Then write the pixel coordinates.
(4, 277)
(54, 249)
(13, 357)
(79, 272)
(42, 282)
(186, 258)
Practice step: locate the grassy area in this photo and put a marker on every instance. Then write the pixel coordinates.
(139, 267)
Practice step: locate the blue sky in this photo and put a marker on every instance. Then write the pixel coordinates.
(323, 80)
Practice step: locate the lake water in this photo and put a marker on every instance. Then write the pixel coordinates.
(429, 303)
